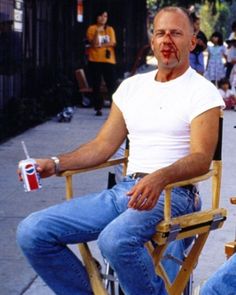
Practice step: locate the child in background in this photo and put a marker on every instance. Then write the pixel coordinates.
(215, 69)
(231, 56)
(232, 78)
(227, 94)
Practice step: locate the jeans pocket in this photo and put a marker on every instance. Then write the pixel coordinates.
(182, 202)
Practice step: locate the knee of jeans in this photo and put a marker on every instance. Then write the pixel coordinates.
(113, 244)
(106, 243)
(28, 232)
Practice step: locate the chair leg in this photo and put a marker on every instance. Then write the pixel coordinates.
(120, 292)
(189, 287)
(91, 267)
(109, 278)
(188, 265)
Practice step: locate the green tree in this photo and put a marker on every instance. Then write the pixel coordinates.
(213, 3)
(217, 21)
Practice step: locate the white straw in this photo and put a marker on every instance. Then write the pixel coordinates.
(25, 150)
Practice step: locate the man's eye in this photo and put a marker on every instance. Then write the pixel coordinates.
(176, 34)
(159, 34)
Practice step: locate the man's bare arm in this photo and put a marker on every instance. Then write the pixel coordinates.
(204, 135)
(95, 152)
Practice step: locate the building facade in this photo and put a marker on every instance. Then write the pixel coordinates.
(42, 43)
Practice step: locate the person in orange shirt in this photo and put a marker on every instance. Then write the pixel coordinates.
(101, 57)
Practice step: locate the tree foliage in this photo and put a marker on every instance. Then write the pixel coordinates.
(215, 22)
(161, 3)
(216, 15)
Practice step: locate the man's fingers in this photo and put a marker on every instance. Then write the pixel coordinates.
(133, 199)
(148, 205)
(138, 201)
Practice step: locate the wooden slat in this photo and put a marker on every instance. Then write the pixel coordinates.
(189, 225)
(233, 200)
(188, 266)
(109, 163)
(192, 219)
(193, 180)
(91, 267)
(69, 190)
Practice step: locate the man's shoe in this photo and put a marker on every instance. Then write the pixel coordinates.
(98, 113)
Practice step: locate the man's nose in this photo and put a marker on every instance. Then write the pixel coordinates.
(167, 37)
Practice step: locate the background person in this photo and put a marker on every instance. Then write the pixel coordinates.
(232, 35)
(231, 56)
(215, 68)
(102, 59)
(196, 55)
(227, 93)
(171, 138)
(232, 78)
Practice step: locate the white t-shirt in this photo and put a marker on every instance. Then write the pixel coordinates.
(158, 116)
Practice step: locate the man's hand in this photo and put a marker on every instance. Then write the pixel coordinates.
(145, 194)
(45, 168)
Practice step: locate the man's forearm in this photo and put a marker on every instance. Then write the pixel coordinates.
(87, 155)
(193, 165)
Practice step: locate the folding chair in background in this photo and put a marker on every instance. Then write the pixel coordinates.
(230, 247)
(84, 88)
(196, 226)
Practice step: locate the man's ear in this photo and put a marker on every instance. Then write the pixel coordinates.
(151, 44)
(193, 43)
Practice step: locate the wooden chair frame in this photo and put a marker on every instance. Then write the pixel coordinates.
(198, 224)
(230, 247)
(83, 85)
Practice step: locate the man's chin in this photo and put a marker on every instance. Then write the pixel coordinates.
(169, 64)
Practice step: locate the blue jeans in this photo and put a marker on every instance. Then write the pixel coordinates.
(121, 235)
(223, 281)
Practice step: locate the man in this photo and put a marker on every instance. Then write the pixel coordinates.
(171, 117)
(196, 55)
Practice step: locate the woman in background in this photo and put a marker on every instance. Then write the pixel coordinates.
(101, 57)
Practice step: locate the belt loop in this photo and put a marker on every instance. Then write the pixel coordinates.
(133, 176)
(138, 175)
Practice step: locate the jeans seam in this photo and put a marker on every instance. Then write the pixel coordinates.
(79, 273)
(143, 266)
(67, 234)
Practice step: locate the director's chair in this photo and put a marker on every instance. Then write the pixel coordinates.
(85, 89)
(230, 247)
(197, 225)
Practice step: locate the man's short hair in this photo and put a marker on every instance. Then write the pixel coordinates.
(182, 9)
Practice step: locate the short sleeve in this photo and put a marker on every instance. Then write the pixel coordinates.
(205, 98)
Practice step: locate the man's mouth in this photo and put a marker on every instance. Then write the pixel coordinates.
(167, 53)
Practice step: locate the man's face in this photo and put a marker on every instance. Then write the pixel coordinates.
(172, 40)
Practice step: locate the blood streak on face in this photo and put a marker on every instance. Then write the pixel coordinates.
(173, 49)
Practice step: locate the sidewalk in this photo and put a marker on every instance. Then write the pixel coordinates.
(51, 138)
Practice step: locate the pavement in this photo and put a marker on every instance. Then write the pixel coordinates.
(51, 138)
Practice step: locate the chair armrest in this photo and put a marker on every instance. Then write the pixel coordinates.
(188, 225)
(191, 180)
(233, 200)
(169, 187)
(109, 163)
